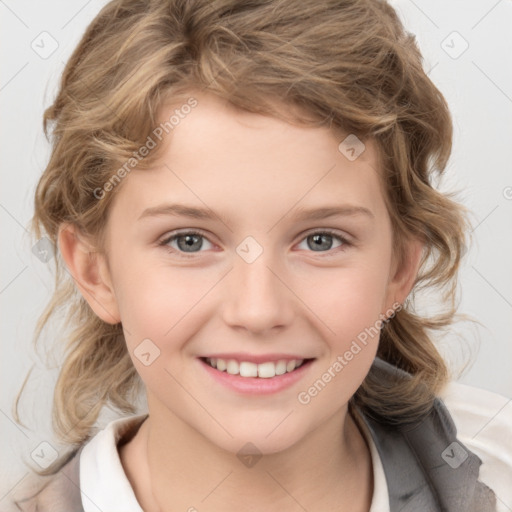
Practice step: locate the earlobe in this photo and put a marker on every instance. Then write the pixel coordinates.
(89, 270)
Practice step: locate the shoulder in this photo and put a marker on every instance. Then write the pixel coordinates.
(449, 458)
(55, 493)
(95, 462)
(483, 420)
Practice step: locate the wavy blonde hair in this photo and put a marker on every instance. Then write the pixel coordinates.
(345, 64)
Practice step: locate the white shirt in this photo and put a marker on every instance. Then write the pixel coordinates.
(483, 420)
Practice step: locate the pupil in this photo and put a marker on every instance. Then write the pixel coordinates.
(318, 241)
(189, 241)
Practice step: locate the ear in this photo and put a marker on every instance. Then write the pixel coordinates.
(90, 271)
(403, 276)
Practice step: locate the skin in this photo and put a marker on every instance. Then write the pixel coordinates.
(254, 173)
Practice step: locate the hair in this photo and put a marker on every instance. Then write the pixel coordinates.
(344, 64)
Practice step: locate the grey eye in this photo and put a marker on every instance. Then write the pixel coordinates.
(322, 242)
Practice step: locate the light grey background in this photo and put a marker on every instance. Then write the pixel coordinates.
(477, 84)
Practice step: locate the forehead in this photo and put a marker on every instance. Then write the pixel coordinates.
(247, 166)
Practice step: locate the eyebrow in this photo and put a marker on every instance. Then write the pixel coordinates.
(181, 210)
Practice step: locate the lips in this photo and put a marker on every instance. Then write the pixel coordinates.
(262, 373)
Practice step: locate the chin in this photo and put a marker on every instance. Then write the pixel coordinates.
(262, 440)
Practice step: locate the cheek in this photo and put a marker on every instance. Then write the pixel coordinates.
(158, 309)
(350, 308)
(163, 304)
(349, 299)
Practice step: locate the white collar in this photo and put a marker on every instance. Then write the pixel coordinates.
(103, 482)
(105, 486)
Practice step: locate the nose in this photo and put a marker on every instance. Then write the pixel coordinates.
(258, 298)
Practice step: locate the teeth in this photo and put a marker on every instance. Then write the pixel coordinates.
(266, 370)
(233, 367)
(280, 367)
(247, 369)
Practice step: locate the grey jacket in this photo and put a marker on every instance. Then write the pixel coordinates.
(427, 469)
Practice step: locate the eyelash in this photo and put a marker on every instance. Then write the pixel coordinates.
(329, 253)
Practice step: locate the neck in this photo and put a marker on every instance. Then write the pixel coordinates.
(329, 469)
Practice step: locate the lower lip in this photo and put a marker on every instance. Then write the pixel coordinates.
(257, 385)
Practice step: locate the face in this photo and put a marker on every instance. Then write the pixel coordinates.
(256, 280)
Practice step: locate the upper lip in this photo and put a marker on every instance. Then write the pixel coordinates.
(255, 358)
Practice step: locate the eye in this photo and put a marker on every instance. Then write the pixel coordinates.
(186, 241)
(320, 240)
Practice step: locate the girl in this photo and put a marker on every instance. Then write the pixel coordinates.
(240, 194)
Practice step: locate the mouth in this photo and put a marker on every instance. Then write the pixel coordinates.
(263, 370)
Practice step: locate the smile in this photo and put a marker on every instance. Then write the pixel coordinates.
(261, 377)
(265, 370)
